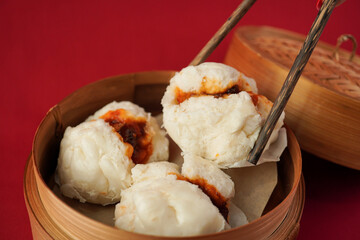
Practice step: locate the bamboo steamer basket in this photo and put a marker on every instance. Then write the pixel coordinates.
(324, 109)
(51, 218)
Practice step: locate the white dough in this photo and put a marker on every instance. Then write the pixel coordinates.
(222, 129)
(167, 207)
(195, 167)
(134, 109)
(159, 141)
(154, 170)
(92, 164)
(217, 74)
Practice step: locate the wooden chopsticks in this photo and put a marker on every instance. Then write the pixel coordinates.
(294, 73)
(235, 17)
(292, 78)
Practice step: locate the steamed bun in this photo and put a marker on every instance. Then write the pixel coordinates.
(94, 165)
(130, 111)
(213, 111)
(196, 169)
(162, 205)
(96, 157)
(154, 170)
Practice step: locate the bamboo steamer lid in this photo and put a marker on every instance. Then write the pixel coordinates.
(324, 109)
(52, 218)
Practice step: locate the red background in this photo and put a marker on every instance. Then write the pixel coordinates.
(48, 49)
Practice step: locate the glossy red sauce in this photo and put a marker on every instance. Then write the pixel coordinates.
(216, 198)
(254, 98)
(181, 96)
(132, 131)
(210, 190)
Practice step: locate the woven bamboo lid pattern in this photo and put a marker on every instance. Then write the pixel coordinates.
(342, 76)
(324, 108)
